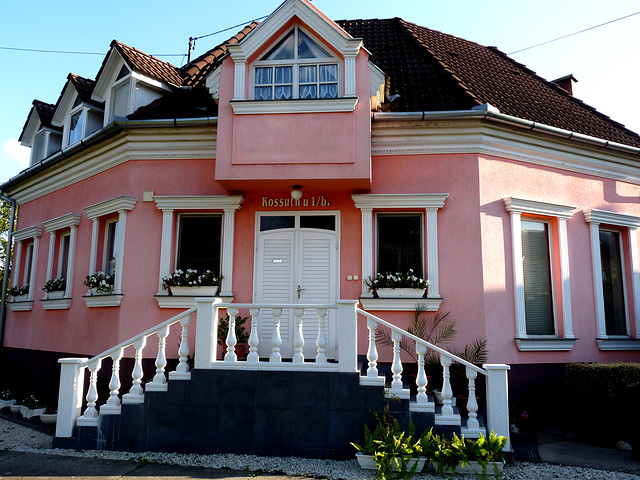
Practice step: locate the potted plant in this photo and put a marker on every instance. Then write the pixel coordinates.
(49, 416)
(242, 337)
(397, 285)
(6, 399)
(19, 293)
(191, 282)
(55, 288)
(459, 455)
(31, 407)
(390, 449)
(99, 283)
(16, 406)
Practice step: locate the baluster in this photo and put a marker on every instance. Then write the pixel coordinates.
(396, 389)
(231, 336)
(321, 342)
(473, 426)
(254, 340)
(447, 417)
(136, 394)
(422, 403)
(276, 340)
(112, 407)
(90, 416)
(182, 370)
(298, 339)
(372, 377)
(159, 382)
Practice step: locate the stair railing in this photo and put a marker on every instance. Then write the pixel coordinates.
(72, 376)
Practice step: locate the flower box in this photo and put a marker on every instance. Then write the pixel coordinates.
(474, 468)
(31, 412)
(15, 408)
(54, 295)
(94, 291)
(401, 292)
(6, 403)
(48, 418)
(20, 298)
(205, 291)
(368, 463)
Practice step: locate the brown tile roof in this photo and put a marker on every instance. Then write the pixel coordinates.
(147, 64)
(193, 102)
(434, 71)
(195, 71)
(45, 112)
(84, 87)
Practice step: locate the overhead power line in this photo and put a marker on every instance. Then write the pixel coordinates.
(574, 33)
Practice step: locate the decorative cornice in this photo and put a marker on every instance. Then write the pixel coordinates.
(103, 300)
(211, 202)
(29, 232)
(113, 205)
(317, 105)
(63, 221)
(520, 205)
(546, 344)
(427, 200)
(594, 215)
(400, 304)
(618, 343)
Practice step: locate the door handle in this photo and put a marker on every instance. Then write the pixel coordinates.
(300, 291)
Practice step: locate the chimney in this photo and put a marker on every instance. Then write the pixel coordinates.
(566, 83)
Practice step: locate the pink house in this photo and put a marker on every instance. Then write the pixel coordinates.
(296, 161)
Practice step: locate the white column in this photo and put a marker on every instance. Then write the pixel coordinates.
(52, 246)
(69, 395)
(70, 262)
(564, 273)
(635, 275)
(206, 332)
(34, 264)
(367, 249)
(165, 247)
(227, 252)
(350, 76)
(347, 335)
(432, 253)
(122, 226)
(498, 401)
(15, 275)
(597, 280)
(518, 273)
(238, 83)
(94, 246)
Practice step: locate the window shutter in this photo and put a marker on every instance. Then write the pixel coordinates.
(537, 278)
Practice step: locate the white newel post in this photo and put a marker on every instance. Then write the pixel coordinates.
(498, 401)
(206, 332)
(347, 335)
(69, 395)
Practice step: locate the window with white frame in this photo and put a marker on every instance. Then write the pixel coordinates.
(613, 234)
(542, 295)
(25, 261)
(112, 229)
(120, 93)
(204, 240)
(62, 240)
(28, 264)
(296, 67)
(383, 217)
(83, 121)
(45, 143)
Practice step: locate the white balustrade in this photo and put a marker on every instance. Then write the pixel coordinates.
(473, 426)
(182, 370)
(136, 394)
(321, 342)
(90, 416)
(397, 390)
(422, 403)
(298, 339)
(254, 339)
(112, 407)
(276, 340)
(159, 382)
(231, 340)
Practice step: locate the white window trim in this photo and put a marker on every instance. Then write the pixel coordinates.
(21, 236)
(128, 79)
(518, 206)
(189, 204)
(594, 218)
(71, 221)
(120, 205)
(316, 105)
(431, 203)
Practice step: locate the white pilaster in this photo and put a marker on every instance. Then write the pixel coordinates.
(564, 273)
(350, 76)
(597, 279)
(120, 235)
(94, 246)
(34, 264)
(165, 246)
(52, 245)
(71, 260)
(347, 335)
(367, 249)
(16, 270)
(635, 275)
(239, 79)
(228, 230)
(518, 273)
(432, 253)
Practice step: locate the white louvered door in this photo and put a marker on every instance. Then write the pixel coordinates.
(296, 265)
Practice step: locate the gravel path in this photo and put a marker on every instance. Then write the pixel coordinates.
(20, 438)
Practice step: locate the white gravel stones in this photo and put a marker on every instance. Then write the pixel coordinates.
(19, 438)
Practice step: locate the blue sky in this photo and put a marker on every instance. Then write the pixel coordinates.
(604, 60)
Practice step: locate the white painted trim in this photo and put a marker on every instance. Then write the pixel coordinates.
(350, 76)
(612, 218)
(625, 344)
(108, 300)
(427, 200)
(27, 233)
(545, 344)
(56, 304)
(15, 275)
(432, 253)
(165, 247)
(400, 304)
(64, 221)
(173, 301)
(120, 236)
(635, 275)
(21, 306)
(34, 265)
(113, 205)
(203, 202)
(228, 232)
(367, 249)
(52, 243)
(93, 256)
(534, 207)
(238, 81)
(71, 261)
(316, 105)
(563, 245)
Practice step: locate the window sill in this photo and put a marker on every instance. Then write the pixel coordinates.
(624, 343)
(23, 306)
(400, 304)
(552, 344)
(184, 301)
(106, 300)
(316, 105)
(56, 303)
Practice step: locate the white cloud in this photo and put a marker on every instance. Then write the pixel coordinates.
(17, 152)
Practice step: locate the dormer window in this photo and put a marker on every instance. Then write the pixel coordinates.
(75, 127)
(44, 144)
(83, 121)
(120, 93)
(297, 67)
